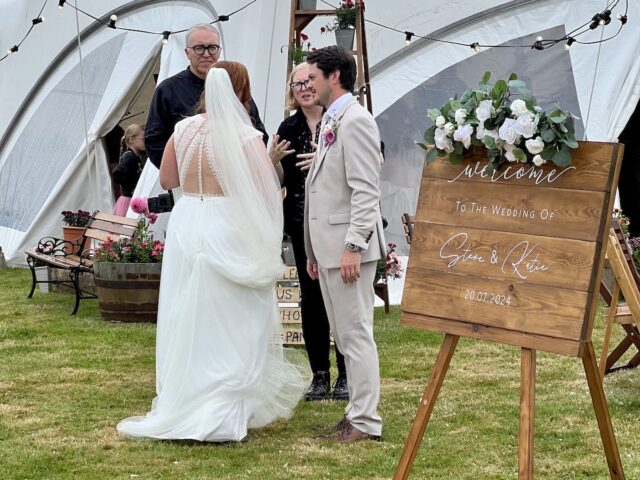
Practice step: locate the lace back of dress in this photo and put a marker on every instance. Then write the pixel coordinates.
(198, 176)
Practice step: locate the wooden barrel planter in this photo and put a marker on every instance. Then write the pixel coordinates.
(128, 292)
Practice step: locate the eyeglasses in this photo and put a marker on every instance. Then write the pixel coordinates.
(298, 86)
(200, 49)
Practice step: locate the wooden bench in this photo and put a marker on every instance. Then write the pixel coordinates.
(407, 224)
(627, 315)
(52, 252)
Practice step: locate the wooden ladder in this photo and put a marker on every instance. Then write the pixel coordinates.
(301, 18)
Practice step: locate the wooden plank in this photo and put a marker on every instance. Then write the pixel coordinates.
(425, 408)
(599, 401)
(534, 259)
(527, 413)
(292, 336)
(290, 315)
(288, 294)
(560, 213)
(536, 309)
(116, 219)
(590, 170)
(115, 228)
(493, 334)
(101, 235)
(290, 274)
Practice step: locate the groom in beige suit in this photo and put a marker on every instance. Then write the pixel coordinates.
(343, 232)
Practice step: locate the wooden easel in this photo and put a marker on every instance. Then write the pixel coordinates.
(301, 18)
(627, 315)
(463, 260)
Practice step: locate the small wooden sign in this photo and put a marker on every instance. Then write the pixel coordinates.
(292, 336)
(512, 257)
(288, 294)
(290, 315)
(290, 274)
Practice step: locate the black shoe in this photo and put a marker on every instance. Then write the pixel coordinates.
(340, 388)
(319, 389)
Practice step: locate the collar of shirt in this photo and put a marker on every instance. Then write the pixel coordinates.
(337, 105)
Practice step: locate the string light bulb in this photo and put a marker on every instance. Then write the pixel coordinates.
(37, 20)
(622, 18)
(61, 4)
(538, 44)
(605, 17)
(475, 46)
(570, 41)
(112, 21)
(165, 37)
(407, 37)
(11, 50)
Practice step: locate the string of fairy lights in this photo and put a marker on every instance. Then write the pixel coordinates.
(600, 20)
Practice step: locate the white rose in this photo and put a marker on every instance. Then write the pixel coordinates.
(518, 107)
(508, 152)
(461, 115)
(526, 126)
(449, 146)
(480, 132)
(448, 128)
(507, 131)
(440, 121)
(492, 133)
(484, 110)
(440, 138)
(535, 145)
(463, 134)
(538, 161)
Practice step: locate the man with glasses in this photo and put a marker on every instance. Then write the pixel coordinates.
(177, 96)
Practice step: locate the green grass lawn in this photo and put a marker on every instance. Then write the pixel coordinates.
(66, 381)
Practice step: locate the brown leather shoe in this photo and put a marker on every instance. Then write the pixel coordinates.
(350, 434)
(341, 424)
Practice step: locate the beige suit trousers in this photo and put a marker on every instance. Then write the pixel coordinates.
(350, 311)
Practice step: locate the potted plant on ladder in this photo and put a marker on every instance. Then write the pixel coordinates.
(344, 23)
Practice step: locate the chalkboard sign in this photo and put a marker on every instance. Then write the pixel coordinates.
(511, 256)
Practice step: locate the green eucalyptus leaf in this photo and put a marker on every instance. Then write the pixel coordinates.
(513, 77)
(431, 155)
(429, 135)
(548, 152)
(423, 146)
(548, 135)
(486, 77)
(561, 158)
(433, 113)
(570, 142)
(459, 147)
(455, 158)
(489, 141)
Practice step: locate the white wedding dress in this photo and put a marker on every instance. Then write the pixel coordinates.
(220, 365)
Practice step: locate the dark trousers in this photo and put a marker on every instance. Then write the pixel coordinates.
(315, 324)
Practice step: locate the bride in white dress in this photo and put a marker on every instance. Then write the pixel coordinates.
(220, 365)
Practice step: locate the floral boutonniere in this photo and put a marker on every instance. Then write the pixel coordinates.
(329, 133)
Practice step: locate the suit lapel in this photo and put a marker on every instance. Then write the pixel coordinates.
(324, 148)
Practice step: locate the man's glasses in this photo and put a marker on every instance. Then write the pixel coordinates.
(298, 86)
(200, 49)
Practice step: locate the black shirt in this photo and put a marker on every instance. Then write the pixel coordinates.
(127, 172)
(296, 130)
(175, 99)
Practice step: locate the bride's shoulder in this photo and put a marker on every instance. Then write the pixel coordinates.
(189, 122)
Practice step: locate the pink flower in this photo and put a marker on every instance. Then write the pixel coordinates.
(304, 36)
(140, 205)
(329, 137)
(323, 29)
(153, 217)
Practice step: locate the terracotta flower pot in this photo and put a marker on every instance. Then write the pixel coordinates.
(72, 234)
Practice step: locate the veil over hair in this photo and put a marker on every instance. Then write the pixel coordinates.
(247, 178)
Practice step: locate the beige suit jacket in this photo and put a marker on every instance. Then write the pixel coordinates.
(342, 198)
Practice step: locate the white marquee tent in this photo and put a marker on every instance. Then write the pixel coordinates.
(59, 100)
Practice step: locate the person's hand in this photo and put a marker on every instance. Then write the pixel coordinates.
(312, 270)
(306, 158)
(350, 266)
(279, 149)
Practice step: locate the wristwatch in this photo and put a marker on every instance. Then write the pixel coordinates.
(352, 247)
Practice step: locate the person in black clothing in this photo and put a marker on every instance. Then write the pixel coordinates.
(176, 97)
(127, 172)
(629, 183)
(297, 137)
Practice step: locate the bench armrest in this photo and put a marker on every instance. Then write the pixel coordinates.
(54, 246)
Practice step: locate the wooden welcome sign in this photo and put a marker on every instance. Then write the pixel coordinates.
(513, 257)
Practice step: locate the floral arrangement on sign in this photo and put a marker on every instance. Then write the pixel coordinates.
(141, 248)
(78, 218)
(299, 54)
(390, 266)
(345, 16)
(511, 129)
